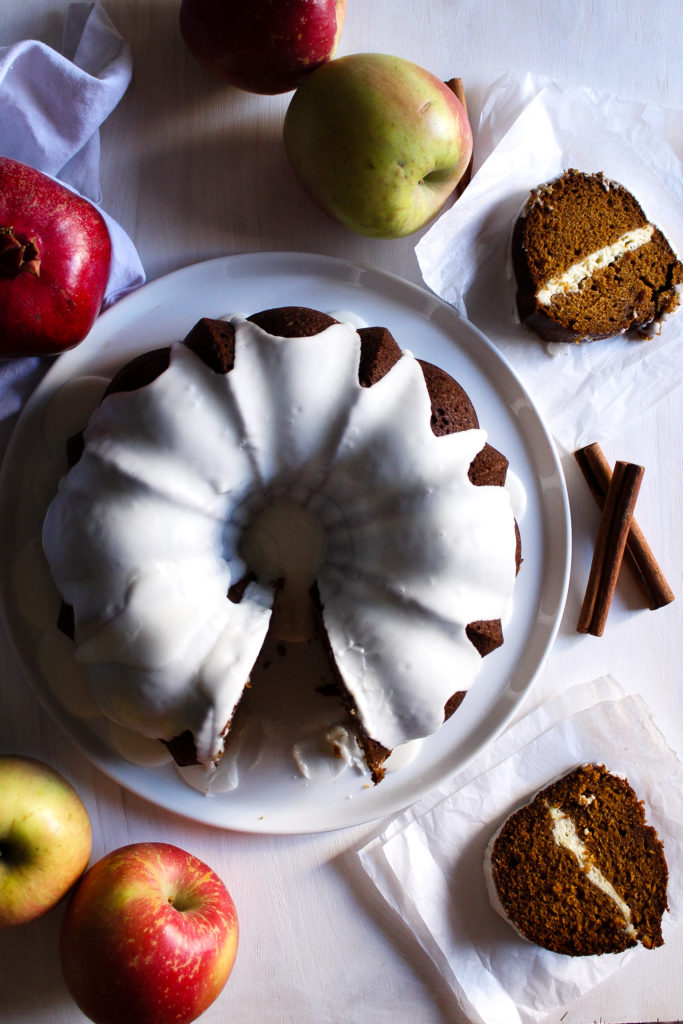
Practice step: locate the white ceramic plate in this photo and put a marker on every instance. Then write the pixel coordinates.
(272, 795)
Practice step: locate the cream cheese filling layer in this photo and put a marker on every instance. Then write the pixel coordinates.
(566, 836)
(572, 278)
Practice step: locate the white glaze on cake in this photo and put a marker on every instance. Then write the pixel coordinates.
(326, 753)
(144, 537)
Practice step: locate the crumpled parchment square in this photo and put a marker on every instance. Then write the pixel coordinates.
(531, 130)
(428, 863)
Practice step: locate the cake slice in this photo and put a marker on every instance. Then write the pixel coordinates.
(577, 870)
(589, 264)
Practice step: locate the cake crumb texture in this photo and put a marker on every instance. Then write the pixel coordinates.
(588, 263)
(602, 886)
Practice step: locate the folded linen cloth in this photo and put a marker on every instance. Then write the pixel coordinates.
(51, 107)
(428, 863)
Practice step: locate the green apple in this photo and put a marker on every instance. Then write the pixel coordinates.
(45, 838)
(378, 142)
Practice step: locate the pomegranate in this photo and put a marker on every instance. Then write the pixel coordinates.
(55, 253)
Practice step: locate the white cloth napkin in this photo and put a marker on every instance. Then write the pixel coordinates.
(51, 107)
(428, 863)
(531, 130)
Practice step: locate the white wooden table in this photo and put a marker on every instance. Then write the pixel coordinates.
(193, 171)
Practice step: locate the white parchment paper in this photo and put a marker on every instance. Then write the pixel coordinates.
(530, 131)
(428, 864)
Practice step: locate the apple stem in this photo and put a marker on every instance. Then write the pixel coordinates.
(458, 90)
(17, 256)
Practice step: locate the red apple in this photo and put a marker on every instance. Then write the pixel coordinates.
(149, 936)
(45, 838)
(378, 142)
(55, 253)
(264, 46)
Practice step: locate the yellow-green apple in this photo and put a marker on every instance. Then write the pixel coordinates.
(264, 46)
(149, 936)
(45, 838)
(55, 253)
(378, 142)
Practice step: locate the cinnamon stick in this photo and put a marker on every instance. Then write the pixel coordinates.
(457, 88)
(610, 544)
(597, 474)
